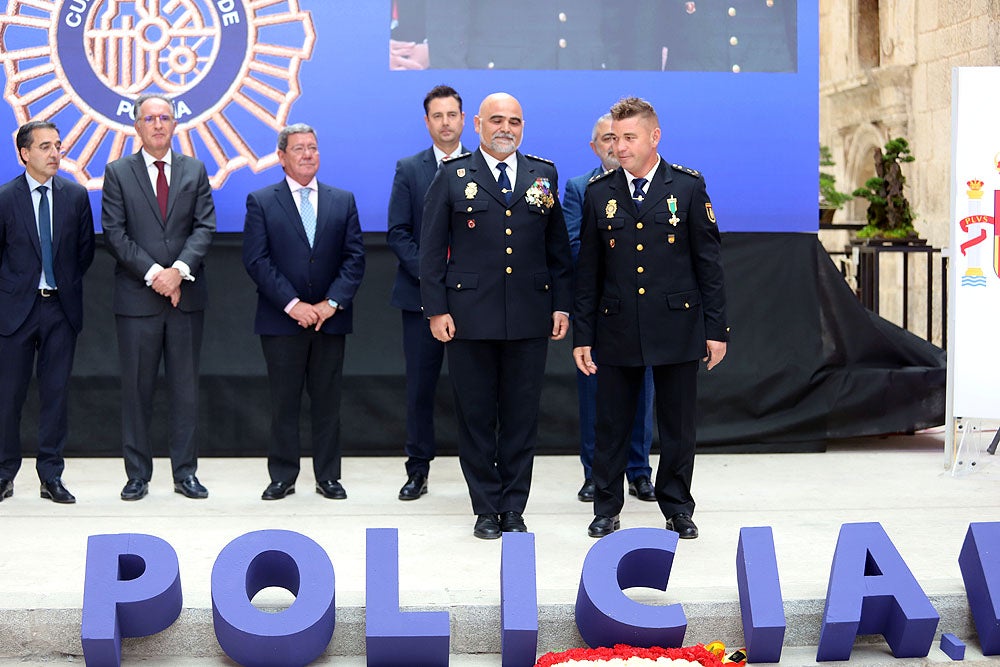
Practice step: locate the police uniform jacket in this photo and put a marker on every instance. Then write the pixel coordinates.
(499, 269)
(649, 289)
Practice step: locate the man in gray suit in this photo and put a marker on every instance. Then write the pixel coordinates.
(158, 219)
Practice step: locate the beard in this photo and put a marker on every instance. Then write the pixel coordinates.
(501, 142)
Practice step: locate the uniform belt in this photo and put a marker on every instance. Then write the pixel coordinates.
(45, 292)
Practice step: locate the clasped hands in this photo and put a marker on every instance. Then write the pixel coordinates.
(168, 283)
(312, 315)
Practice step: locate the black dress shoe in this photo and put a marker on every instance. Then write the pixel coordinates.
(55, 491)
(586, 492)
(682, 524)
(512, 522)
(642, 489)
(331, 488)
(603, 525)
(135, 489)
(416, 486)
(190, 487)
(487, 527)
(278, 490)
(6, 488)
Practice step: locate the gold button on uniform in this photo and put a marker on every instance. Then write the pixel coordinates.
(562, 17)
(458, 286)
(508, 213)
(638, 225)
(736, 69)
(469, 209)
(562, 43)
(732, 11)
(510, 270)
(642, 290)
(509, 232)
(687, 305)
(639, 247)
(510, 251)
(639, 269)
(733, 41)
(609, 228)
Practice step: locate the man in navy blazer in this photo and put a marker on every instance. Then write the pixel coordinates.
(158, 218)
(445, 119)
(496, 283)
(302, 246)
(46, 245)
(638, 471)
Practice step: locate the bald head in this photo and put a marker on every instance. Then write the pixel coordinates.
(499, 124)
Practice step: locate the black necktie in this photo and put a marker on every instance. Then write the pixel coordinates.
(638, 194)
(45, 236)
(504, 182)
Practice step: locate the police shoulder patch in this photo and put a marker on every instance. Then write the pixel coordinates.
(540, 159)
(455, 157)
(594, 179)
(686, 170)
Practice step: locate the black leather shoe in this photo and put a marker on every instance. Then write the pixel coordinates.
(586, 492)
(603, 525)
(487, 527)
(642, 489)
(135, 489)
(682, 524)
(331, 488)
(55, 491)
(6, 488)
(278, 490)
(190, 487)
(512, 522)
(416, 486)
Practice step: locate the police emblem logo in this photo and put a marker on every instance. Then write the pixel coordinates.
(460, 172)
(611, 208)
(471, 189)
(81, 63)
(710, 212)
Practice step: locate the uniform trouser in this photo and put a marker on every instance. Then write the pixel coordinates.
(424, 356)
(312, 361)
(45, 339)
(642, 426)
(498, 385)
(617, 395)
(175, 337)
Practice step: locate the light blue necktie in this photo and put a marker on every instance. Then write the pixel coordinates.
(308, 215)
(45, 236)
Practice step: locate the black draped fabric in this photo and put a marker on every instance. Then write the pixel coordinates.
(806, 363)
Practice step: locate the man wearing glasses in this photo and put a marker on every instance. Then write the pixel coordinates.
(158, 219)
(46, 245)
(303, 248)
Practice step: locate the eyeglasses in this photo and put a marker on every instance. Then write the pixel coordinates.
(300, 149)
(163, 118)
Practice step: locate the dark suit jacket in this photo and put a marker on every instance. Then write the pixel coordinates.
(21, 254)
(683, 298)
(499, 271)
(573, 207)
(138, 236)
(278, 258)
(406, 207)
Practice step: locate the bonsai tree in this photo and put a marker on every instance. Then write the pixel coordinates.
(889, 213)
(829, 196)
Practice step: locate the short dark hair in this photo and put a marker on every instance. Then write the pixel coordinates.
(25, 134)
(628, 107)
(438, 92)
(142, 99)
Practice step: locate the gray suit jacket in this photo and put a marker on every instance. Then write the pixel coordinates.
(138, 236)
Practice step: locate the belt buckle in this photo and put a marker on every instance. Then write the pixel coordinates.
(46, 292)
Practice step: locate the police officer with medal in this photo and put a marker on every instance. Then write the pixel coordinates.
(496, 283)
(650, 292)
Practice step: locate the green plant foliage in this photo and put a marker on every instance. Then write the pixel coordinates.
(889, 214)
(829, 196)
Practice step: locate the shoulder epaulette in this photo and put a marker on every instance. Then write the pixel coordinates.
(600, 176)
(540, 159)
(686, 170)
(455, 157)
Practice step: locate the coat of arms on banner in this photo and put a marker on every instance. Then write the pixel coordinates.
(231, 67)
(978, 226)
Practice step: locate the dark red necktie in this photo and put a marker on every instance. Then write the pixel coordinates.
(162, 189)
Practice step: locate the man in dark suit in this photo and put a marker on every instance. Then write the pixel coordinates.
(649, 293)
(423, 353)
(158, 219)
(303, 248)
(638, 471)
(496, 281)
(46, 245)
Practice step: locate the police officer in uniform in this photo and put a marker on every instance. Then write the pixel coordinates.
(649, 293)
(496, 283)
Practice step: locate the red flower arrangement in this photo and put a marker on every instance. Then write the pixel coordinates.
(697, 654)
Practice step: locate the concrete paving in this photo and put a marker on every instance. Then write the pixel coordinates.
(900, 482)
